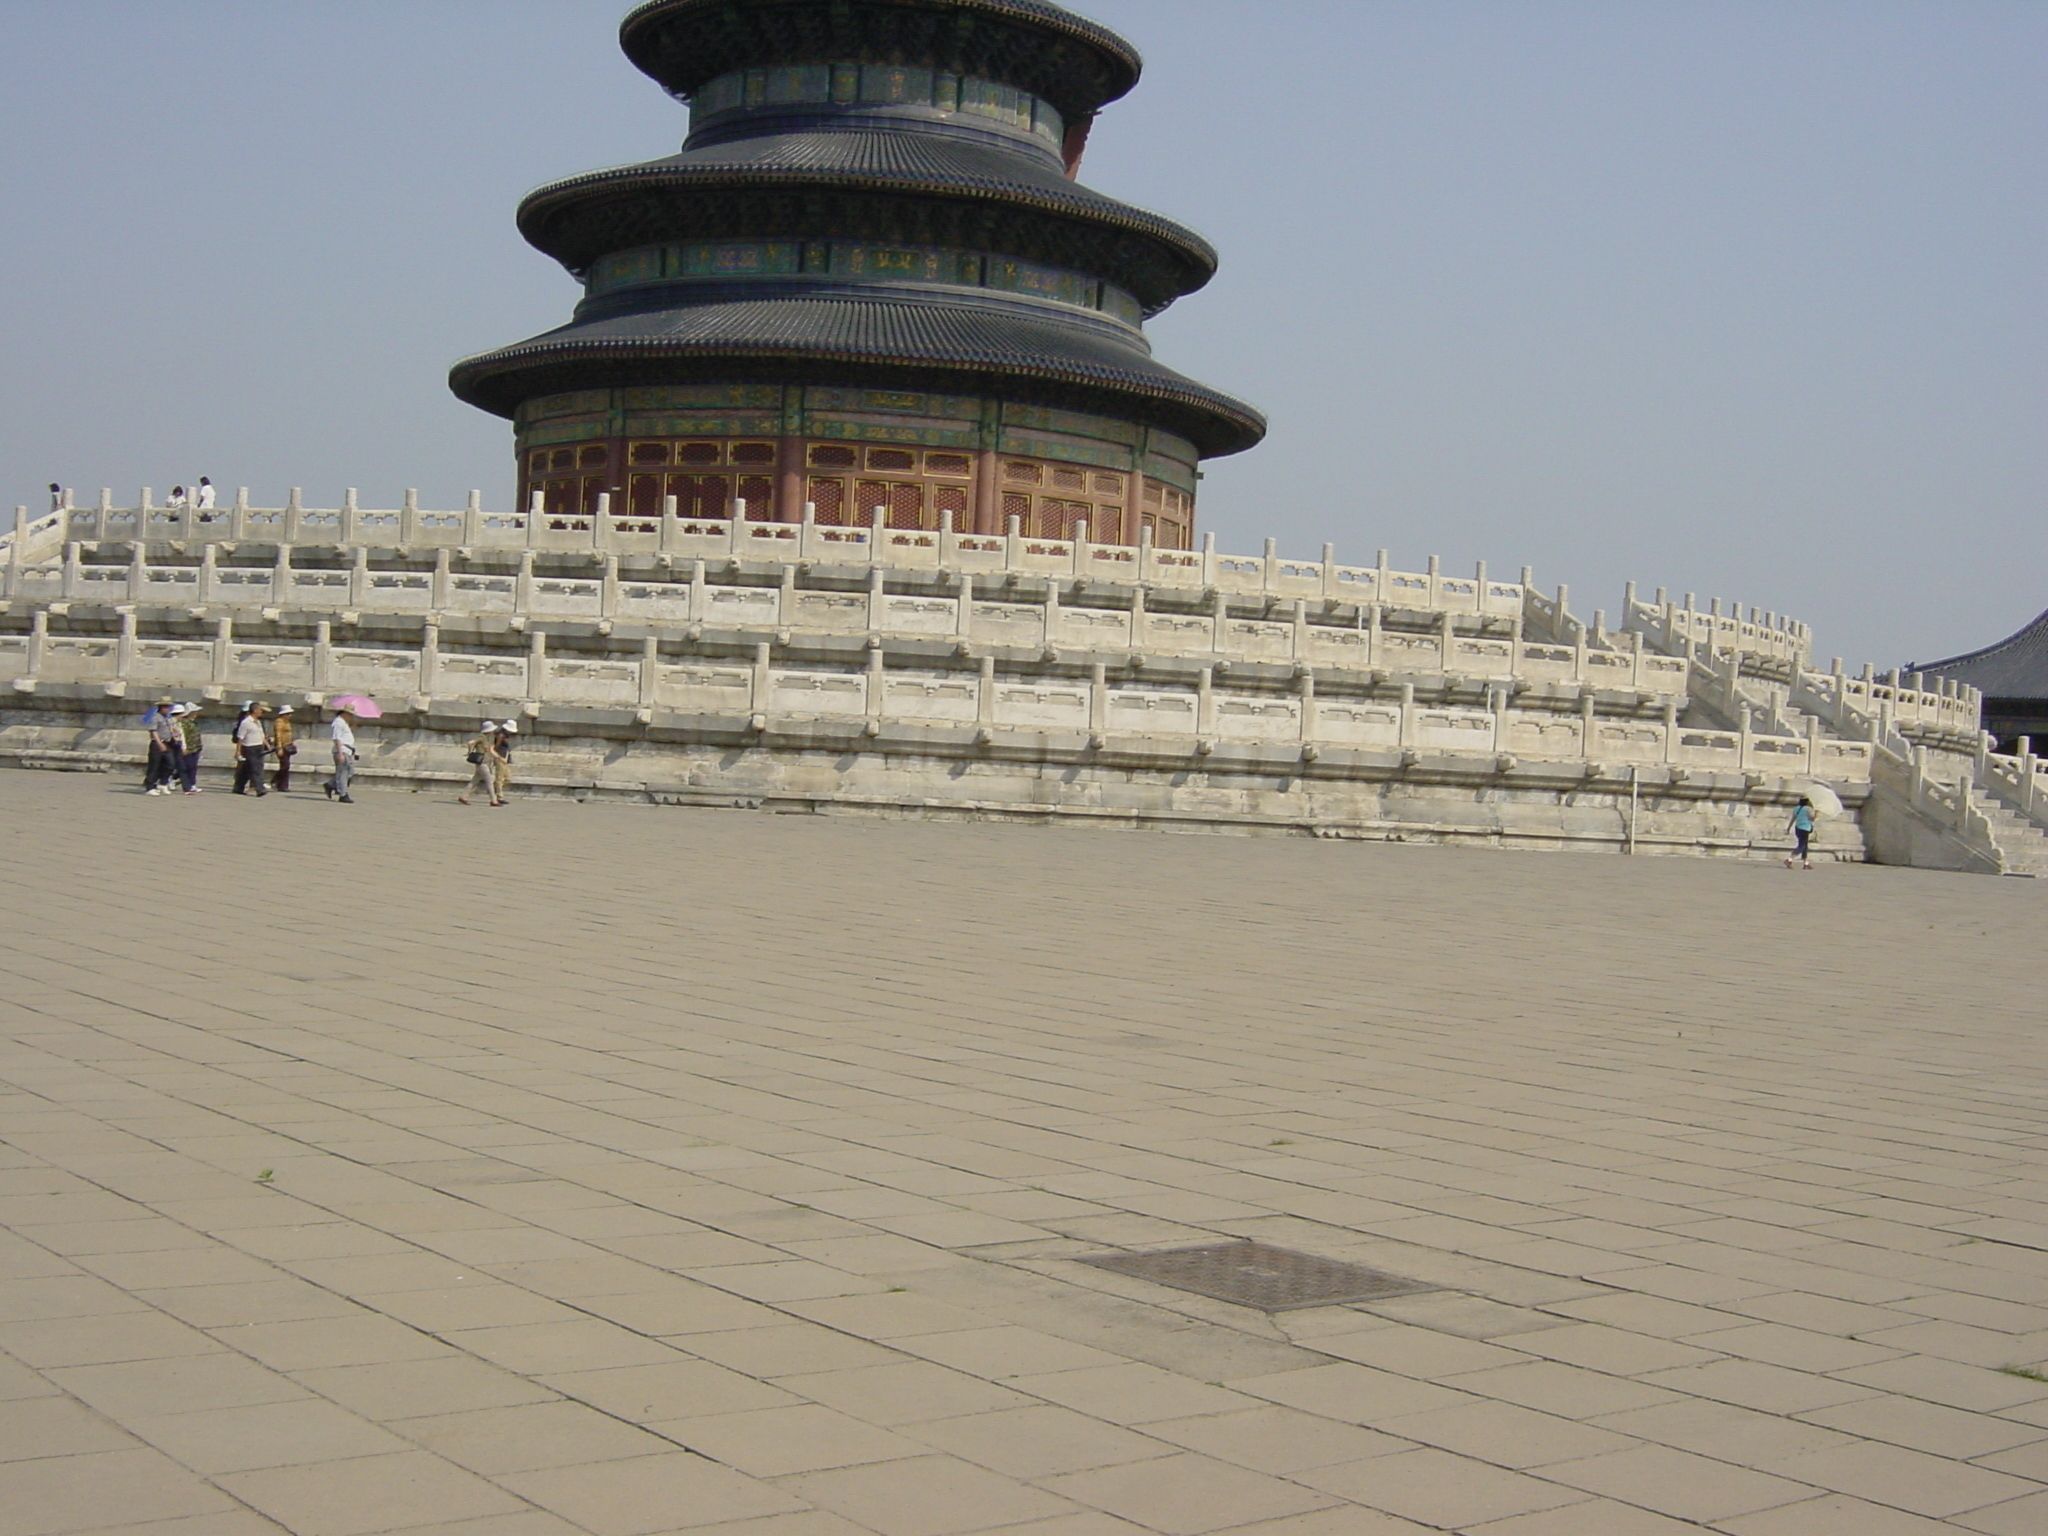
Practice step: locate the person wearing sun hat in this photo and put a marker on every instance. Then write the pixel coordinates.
(284, 745)
(485, 760)
(503, 769)
(164, 746)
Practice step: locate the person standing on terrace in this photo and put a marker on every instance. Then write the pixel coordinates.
(203, 498)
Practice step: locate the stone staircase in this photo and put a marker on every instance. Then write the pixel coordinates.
(2022, 846)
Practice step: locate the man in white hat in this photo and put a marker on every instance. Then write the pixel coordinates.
(342, 734)
(485, 761)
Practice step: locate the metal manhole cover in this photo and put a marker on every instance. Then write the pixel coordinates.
(1254, 1275)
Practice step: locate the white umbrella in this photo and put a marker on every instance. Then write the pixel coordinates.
(1825, 801)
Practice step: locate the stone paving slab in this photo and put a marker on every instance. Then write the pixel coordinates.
(611, 1170)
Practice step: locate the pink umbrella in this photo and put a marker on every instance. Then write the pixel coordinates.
(359, 705)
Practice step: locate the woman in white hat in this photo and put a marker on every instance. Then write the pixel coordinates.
(284, 745)
(503, 769)
(484, 759)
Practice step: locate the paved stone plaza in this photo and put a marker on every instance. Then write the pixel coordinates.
(617, 1170)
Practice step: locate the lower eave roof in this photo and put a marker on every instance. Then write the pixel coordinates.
(913, 334)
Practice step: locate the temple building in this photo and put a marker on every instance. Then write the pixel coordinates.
(869, 289)
(2013, 677)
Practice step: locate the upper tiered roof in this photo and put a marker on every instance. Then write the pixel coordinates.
(946, 131)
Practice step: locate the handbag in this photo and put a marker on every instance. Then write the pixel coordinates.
(475, 758)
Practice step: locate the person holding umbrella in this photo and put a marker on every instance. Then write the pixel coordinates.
(348, 709)
(1804, 819)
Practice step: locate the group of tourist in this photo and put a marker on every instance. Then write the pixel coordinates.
(201, 497)
(260, 735)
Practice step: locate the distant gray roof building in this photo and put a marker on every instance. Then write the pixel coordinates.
(2013, 677)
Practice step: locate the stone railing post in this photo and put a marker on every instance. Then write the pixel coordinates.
(1306, 677)
(1436, 577)
(430, 657)
(1219, 623)
(1447, 635)
(522, 591)
(124, 647)
(1405, 731)
(38, 641)
(1298, 638)
(473, 517)
(536, 667)
(350, 513)
(1670, 731)
(281, 593)
(1205, 702)
(409, 519)
(1050, 619)
(444, 574)
(1375, 635)
(608, 588)
(294, 512)
(650, 671)
(1330, 571)
(1013, 542)
(17, 552)
(878, 599)
(323, 655)
(963, 609)
(223, 650)
(1269, 569)
(1208, 559)
(1080, 550)
(985, 695)
(763, 690)
(74, 577)
(359, 577)
(1098, 699)
(209, 568)
(700, 594)
(138, 570)
(238, 516)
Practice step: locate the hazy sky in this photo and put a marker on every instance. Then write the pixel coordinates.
(1741, 298)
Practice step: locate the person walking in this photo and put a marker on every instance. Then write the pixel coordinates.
(204, 497)
(56, 497)
(190, 745)
(1804, 820)
(284, 746)
(162, 771)
(485, 759)
(343, 735)
(501, 770)
(252, 742)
